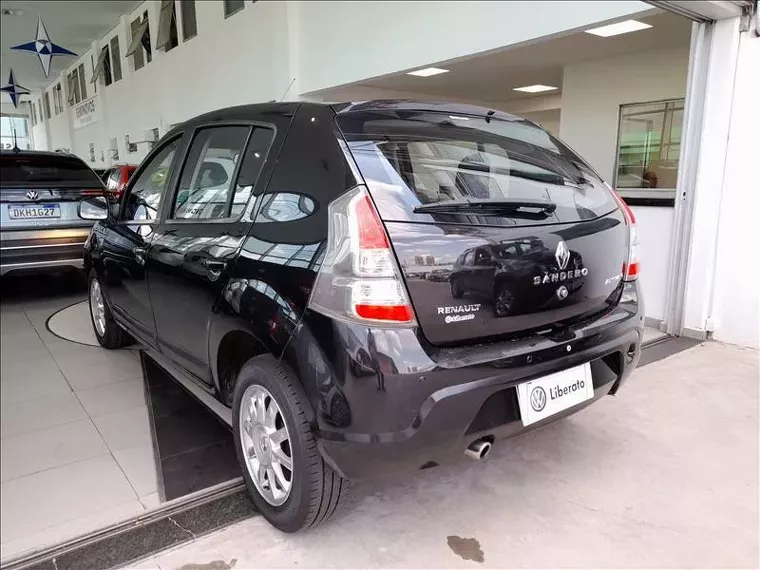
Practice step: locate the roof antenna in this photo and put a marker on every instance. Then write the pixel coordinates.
(489, 115)
(288, 91)
(15, 142)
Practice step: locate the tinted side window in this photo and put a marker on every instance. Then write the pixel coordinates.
(207, 181)
(143, 200)
(253, 159)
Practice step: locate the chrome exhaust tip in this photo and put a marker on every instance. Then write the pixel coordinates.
(478, 449)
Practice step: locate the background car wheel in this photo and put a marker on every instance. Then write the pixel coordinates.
(287, 478)
(107, 331)
(456, 290)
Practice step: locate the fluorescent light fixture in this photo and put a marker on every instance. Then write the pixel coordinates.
(534, 88)
(428, 71)
(619, 28)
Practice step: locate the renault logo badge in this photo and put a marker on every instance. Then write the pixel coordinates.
(562, 255)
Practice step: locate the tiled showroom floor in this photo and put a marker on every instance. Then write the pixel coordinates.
(77, 448)
(76, 444)
(664, 475)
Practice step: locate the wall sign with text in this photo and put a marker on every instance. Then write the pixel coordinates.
(86, 113)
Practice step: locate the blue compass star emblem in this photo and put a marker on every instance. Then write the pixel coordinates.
(14, 90)
(43, 47)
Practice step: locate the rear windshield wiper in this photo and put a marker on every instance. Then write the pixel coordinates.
(512, 206)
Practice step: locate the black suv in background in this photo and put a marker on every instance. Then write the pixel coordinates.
(303, 269)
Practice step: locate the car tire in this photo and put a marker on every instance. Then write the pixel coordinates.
(109, 333)
(456, 290)
(316, 491)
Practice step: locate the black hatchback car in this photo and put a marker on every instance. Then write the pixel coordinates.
(277, 260)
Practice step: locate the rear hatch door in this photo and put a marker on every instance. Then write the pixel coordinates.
(499, 229)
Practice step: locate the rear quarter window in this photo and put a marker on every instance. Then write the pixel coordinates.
(45, 169)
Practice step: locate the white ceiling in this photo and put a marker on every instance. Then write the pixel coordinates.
(70, 24)
(493, 77)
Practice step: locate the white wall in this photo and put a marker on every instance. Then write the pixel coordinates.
(592, 93)
(735, 309)
(373, 38)
(238, 60)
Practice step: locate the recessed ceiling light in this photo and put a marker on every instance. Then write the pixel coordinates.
(428, 71)
(534, 88)
(619, 28)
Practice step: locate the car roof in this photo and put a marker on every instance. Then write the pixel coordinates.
(36, 153)
(247, 112)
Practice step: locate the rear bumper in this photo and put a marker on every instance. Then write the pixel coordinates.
(390, 415)
(42, 248)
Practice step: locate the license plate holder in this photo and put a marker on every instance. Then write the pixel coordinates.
(544, 397)
(34, 212)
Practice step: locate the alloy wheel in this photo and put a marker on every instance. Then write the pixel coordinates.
(266, 445)
(97, 307)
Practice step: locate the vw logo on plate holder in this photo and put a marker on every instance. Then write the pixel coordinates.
(32, 195)
(538, 398)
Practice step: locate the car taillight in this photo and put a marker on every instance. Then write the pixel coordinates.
(631, 265)
(358, 280)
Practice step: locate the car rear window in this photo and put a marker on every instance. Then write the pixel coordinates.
(411, 158)
(26, 169)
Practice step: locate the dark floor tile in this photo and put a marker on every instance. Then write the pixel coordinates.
(187, 430)
(198, 469)
(662, 349)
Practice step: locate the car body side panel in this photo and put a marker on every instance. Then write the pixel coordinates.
(271, 279)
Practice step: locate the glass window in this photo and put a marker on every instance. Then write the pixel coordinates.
(82, 82)
(416, 162)
(648, 146)
(47, 105)
(232, 7)
(46, 168)
(146, 39)
(34, 114)
(189, 24)
(205, 186)
(75, 86)
(167, 26)
(144, 197)
(139, 48)
(115, 59)
(253, 160)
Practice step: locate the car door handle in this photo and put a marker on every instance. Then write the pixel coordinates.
(213, 264)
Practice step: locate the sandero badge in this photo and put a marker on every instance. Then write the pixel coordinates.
(562, 255)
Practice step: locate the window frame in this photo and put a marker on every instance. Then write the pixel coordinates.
(229, 14)
(251, 125)
(145, 25)
(82, 81)
(115, 55)
(180, 154)
(48, 114)
(643, 196)
(182, 4)
(163, 22)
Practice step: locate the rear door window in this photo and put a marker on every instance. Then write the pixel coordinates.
(412, 158)
(46, 169)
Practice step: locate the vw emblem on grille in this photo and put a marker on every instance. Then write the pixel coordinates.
(32, 195)
(538, 398)
(562, 255)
